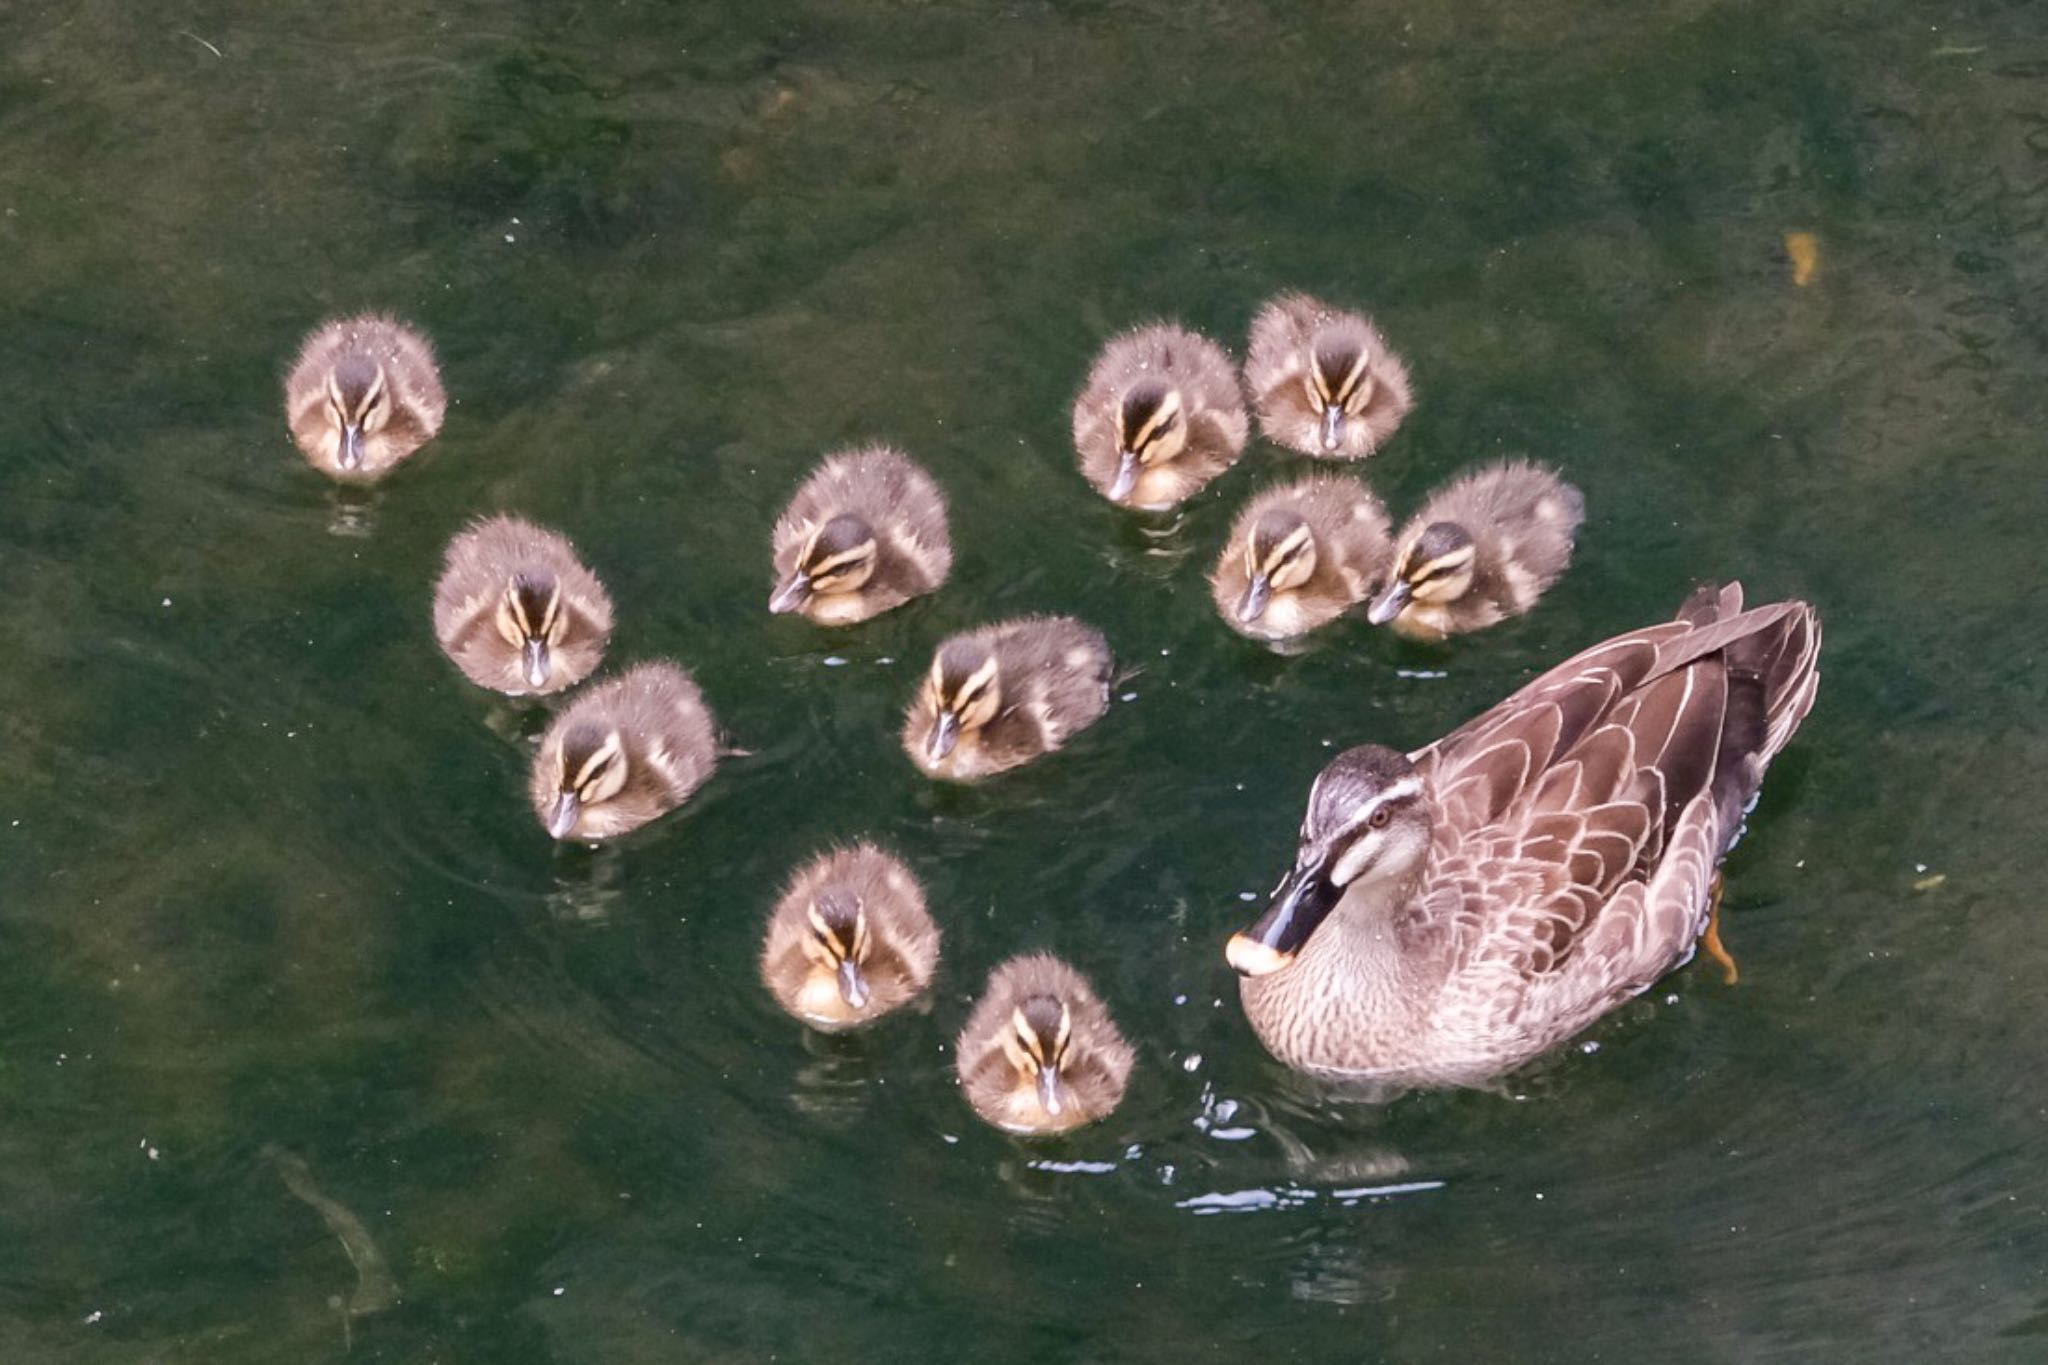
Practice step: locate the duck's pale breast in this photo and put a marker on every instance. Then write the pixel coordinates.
(1342, 1007)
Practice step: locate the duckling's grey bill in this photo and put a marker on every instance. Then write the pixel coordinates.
(1333, 426)
(1049, 1089)
(1126, 477)
(567, 808)
(790, 595)
(853, 987)
(1390, 603)
(535, 654)
(1257, 594)
(945, 734)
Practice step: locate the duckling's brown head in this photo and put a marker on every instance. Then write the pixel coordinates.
(1279, 556)
(590, 770)
(1340, 380)
(1037, 1039)
(531, 620)
(840, 557)
(964, 692)
(1151, 429)
(358, 405)
(1368, 824)
(1435, 568)
(836, 940)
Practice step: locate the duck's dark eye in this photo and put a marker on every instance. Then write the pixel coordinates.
(1379, 818)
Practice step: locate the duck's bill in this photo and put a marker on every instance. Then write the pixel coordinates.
(1301, 903)
(350, 452)
(534, 662)
(945, 734)
(1049, 1091)
(1390, 603)
(1126, 477)
(562, 819)
(790, 595)
(1257, 594)
(1333, 427)
(853, 987)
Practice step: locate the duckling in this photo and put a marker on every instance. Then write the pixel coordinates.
(850, 940)
(363, 394)
(1300, 555)
(517, 611)
(1160, 415)
(1325, 381)
(1040, 1053)
(1006, 693)
(1483, 548)
(624, 752)
(866, 532)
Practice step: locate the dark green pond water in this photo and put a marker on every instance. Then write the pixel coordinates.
(278, 920)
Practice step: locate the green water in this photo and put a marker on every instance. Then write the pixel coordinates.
(272, 904)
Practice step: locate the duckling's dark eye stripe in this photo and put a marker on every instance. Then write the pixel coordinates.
(1027, 1037)
(1339, 373)
(1298, 540)
(1357, 373)
(973, 686)
(594, 765)
(845, 559)
(1438, 568)
(1281, 557)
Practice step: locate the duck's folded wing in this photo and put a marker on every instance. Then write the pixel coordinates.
(1483, 768)
(1568, 884)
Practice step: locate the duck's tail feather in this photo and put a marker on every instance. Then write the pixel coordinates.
(1773, 676)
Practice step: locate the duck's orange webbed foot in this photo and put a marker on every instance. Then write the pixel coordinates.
(1711, 940)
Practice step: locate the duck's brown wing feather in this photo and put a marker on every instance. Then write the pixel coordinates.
(1579, 823)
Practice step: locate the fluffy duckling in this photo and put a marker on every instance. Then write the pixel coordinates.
(1300, 555)
(623, 753)
(1160, 415)
(517, 611)
(866, 532)
(850, 940)
(1483, 548)
(1006, 693)
(363, 394)
(1325, 381)
(1040, 1053)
